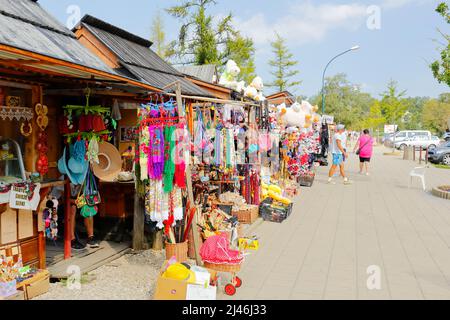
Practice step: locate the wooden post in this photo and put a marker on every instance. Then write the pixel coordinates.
(67, 222)
(196, 235)
(138, 224)
(157, 240)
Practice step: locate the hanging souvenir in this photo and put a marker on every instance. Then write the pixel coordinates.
(180, 161)
(169, 164)
(156, 152)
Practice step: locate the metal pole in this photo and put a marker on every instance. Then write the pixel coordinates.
(323, 78)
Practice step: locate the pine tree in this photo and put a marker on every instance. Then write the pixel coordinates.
(158, 37)
(200, 41)
(282, 65)
(242, 51)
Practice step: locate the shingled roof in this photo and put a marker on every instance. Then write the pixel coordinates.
(25, 25)
(136, 57)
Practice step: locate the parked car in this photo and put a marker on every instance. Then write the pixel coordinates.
(404, 134)
(423, 142)
(446, 136)
(440, 154)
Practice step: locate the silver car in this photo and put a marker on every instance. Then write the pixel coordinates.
(440, 154)
(423, 142)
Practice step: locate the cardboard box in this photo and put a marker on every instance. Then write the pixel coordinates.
(19, 295)
(171, 289)
(25, 224)
(35, 286)
(8, 226)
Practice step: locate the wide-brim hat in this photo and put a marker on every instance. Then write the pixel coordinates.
(110, 162)
(75, 178)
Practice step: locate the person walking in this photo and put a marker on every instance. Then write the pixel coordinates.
(364, 148)
(339, 154)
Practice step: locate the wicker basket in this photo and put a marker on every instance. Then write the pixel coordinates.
(179, 250)
(222, 267)
(306, 180)
(247, 216)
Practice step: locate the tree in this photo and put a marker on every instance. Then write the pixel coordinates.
(435, 115)
(441, 68)
(242, 51)
(375, 119)
(393, 106)
(201, 41)
(158, 37)
(412, 120)
(282, 65)
(345, 101)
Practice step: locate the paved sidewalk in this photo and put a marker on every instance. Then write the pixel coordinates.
(337, 231)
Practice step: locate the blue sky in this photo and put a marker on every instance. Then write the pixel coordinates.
(400, 49)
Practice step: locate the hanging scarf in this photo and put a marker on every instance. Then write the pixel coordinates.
(156, 153)
(144, 141)
(230, 152)
(180, 163)
(218, 146)
(169, 164)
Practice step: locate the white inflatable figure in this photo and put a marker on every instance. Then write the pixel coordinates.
(229, 77)
(254, 90)
(295, 116)
(250, 92)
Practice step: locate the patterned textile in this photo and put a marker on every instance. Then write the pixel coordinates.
(156, 153)
(144, 141)
(216, 249)
(180, 157)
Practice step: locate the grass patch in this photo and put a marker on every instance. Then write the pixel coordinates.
(441, 166)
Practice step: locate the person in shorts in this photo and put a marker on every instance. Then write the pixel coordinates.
(338, 153)
(364, 146)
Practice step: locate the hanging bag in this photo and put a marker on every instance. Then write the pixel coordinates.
(81, 200)
(92, 195)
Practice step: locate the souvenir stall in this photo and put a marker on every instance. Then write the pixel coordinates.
(24, 152)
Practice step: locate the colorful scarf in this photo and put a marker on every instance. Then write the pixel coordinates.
(180, 162)
(169, 164)
(218, 146)
(156, 153)
(144, 140)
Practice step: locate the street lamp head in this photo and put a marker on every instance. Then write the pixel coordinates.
(354, 48)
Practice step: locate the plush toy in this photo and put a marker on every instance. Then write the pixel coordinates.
(254, 90)
(229, 77)
(293, 116)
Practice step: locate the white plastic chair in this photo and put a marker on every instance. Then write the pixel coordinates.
(418, 172)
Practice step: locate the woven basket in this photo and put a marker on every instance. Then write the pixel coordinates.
(247, 216)
(222, 267)
(179, 250)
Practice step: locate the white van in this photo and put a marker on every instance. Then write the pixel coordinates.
(406, 134)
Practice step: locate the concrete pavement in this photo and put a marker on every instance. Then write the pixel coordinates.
(337, 232)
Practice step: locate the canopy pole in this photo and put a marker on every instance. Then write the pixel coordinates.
(196, 235)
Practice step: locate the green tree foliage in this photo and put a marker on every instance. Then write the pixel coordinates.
(441, 68)
(412, 119)
(242, 51)
(345, 101)
(435, 115)
(282, 66)
(158, 37)
(393, 106)
(201, 41)
(374, 119)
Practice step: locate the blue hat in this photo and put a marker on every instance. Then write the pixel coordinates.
(75, 178)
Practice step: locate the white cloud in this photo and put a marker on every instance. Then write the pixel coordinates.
(307, 22)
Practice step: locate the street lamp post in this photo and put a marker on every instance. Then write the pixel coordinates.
(324, 71)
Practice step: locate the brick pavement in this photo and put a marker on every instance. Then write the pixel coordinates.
(336, 232)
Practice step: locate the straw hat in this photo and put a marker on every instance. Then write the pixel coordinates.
(110, 162)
